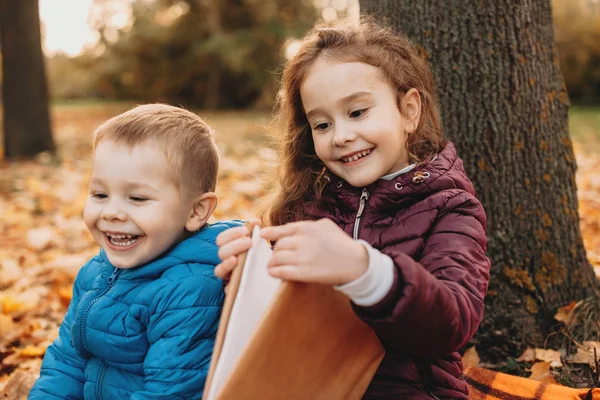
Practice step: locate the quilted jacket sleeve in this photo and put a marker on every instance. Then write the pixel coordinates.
(62, 372)
(181, 332)
(435, 306)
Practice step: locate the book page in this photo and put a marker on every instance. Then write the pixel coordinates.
(257, 289)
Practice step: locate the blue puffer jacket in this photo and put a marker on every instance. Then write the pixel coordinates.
(143, 333)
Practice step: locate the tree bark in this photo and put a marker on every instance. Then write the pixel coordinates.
(24, 88)
(505, 105)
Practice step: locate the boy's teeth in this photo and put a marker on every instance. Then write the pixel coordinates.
(122, 240)
(120, 236)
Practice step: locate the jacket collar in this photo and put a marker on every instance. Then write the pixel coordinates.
(444, 172)
(199, 248)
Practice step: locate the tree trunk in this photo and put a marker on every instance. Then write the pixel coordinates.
(24, 90)
(504, 104)
(213, 19)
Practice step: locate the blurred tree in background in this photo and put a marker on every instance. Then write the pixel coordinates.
(205, 53)
(26, 120)
(577, 27)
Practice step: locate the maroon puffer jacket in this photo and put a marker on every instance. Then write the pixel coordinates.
(430, 223)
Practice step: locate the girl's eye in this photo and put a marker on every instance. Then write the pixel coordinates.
(99, 196)
(138, 199)
(322, 126)
(358, 113)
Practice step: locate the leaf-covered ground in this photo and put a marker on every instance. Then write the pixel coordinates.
(43, 240)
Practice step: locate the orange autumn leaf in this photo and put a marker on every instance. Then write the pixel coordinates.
(540, 371)
(471, 358)
(32, 351)
(565, 313)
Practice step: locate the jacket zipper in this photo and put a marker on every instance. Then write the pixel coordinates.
(82, 331)
(364, 197)
(111, 282)
(100, 383)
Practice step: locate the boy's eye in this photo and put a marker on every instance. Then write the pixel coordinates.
(99, 196)
(138, 199)
(358, 113)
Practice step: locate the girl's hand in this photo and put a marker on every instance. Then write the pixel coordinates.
(315, 251)
(233, 242)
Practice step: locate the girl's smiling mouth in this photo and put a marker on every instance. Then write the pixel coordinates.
(356, 156)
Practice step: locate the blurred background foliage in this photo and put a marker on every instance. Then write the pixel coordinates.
(577, 32)
(206, 54)
(226, 53)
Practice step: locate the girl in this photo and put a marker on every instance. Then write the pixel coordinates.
(373, 200)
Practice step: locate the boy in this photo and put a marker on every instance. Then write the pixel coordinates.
(145, 310)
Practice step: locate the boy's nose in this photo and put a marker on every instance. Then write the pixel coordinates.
(113, 211)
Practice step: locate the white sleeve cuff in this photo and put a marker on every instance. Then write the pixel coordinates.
(372, 286)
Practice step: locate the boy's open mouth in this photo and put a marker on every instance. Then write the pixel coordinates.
(356, 156)
(121, 242)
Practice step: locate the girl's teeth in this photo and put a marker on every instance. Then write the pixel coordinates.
(356, 156)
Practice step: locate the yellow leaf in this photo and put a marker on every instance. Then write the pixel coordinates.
(65, 293)
(6, 324)
(10, 305)
(471, 358)
(32, 351)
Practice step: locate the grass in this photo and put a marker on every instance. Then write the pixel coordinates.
(584, 127)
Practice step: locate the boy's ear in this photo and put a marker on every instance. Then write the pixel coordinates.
(203, 208)
(411, 106)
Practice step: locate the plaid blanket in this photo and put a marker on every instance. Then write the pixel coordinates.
(485, 384)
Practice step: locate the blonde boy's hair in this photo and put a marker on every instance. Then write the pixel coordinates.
(186, 140)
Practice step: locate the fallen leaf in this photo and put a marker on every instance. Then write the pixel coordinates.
(23, 301)
(6, 324)
(10, 271)
(32, 351)
(565, 314)
(69, 263)
(39, 238)
(528, 355)
(551, 356)
(19, 384)
(65, 294)
(540, 372)
(471, 358)
(585, 354)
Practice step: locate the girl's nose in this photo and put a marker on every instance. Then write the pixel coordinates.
(113, 211)
(342, 135)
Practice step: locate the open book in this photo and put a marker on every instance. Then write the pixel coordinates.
(288, 340)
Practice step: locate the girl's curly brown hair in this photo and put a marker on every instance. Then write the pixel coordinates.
(302, 176)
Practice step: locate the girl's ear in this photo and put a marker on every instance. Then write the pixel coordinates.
(411, 107)
(203, 208)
